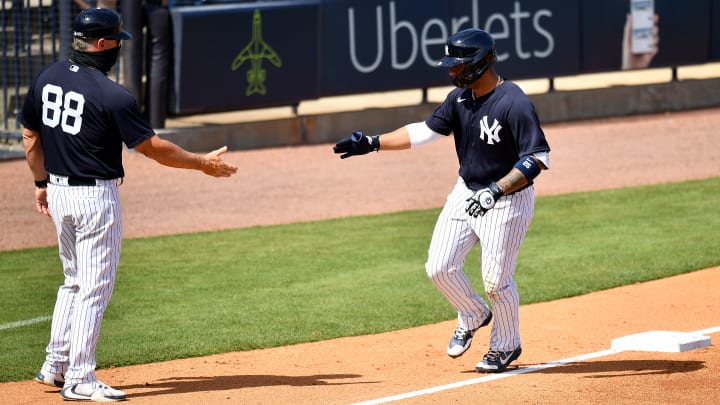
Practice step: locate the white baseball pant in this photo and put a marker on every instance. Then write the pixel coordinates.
(500, 233)
(88, 221)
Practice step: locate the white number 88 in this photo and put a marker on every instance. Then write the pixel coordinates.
(66, 111)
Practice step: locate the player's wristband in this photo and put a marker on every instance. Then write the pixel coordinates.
(375, 143)
(41, 183)
(495, 190)
(529, 167)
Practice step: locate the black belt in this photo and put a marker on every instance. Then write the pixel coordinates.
(81, 181)
(71, 180)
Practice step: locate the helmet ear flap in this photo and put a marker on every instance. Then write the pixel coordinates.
(493, 52)
(488, 59)
(476, 68)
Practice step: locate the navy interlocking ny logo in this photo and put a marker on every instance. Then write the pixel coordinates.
(491, 132)
(256, 51)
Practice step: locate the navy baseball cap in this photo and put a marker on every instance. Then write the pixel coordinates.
(99, 23)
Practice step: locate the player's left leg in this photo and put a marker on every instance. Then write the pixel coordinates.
(56, 361)
(99, 236)
(501, 233)
(452, 240)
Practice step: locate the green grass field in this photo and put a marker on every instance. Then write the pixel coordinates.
(198, 294)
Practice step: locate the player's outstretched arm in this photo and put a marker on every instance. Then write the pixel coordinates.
(168, 154)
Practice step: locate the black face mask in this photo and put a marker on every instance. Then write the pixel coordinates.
(102, 61)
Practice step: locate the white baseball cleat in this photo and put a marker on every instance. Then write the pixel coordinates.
(48, 378)
(92, 391)
(496, 361)
(462, 338)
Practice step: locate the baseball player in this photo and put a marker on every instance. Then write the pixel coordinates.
(501, 148)
(75, 121)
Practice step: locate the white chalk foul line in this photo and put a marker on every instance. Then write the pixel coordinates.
(26, 322)
(507, 374)
(708, 331)
(487, 378)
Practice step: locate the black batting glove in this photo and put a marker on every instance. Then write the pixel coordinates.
(483, 200)
(356, 144)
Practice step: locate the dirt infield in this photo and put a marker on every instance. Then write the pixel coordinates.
(308, 183)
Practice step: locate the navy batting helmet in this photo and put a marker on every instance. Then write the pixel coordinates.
(473, 47)
(99, 23)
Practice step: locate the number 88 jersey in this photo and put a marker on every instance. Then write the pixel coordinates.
(83, 119)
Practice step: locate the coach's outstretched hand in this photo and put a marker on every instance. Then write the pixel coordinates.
(356, 144)
(215, 166)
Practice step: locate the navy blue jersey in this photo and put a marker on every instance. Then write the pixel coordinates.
(491, 133)
(83, 119)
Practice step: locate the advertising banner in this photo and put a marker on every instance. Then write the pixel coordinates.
(277, 53)
(389, 45)
(715, 40)
(242, 56)
(672, 33)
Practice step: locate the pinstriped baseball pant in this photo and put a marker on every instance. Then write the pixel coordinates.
(500, 233)
(88, 221)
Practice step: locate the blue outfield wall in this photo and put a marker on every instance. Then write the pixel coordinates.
(715, 30)
(278, 53)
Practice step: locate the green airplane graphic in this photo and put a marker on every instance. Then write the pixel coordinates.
(256, 51)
